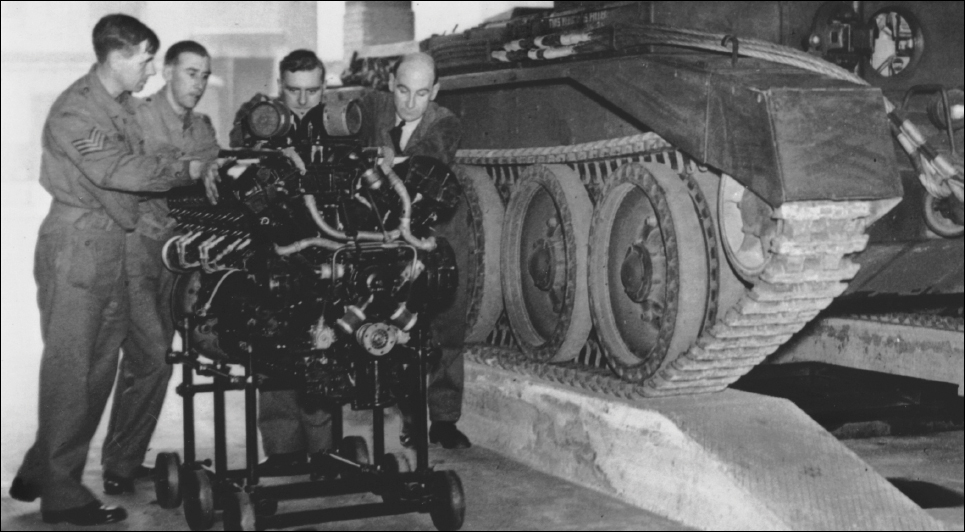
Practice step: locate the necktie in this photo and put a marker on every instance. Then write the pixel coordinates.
(396, 135)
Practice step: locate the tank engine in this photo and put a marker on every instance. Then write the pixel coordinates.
(325, 272)
(317, 271)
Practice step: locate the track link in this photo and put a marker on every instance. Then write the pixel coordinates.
(811, 249)
(807, 271)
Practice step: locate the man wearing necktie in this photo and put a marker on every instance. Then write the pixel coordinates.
(405, 123)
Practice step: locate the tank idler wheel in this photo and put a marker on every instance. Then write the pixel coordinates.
(544, 263)
(167, 480)
(241, 513)
(355, 449)
(199, 506)
(747, 229)
(448, 510)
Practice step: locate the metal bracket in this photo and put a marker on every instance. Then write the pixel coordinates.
(735, 48)
(930, 89)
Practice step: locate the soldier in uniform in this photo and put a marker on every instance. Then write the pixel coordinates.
(405, 123)
(167, 119)
(291, 430)
(93, 165)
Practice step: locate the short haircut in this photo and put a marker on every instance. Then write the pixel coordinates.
(122, 32)
(301, 61)
(184, 47)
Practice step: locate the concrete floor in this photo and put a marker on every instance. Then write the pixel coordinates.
(928, 469)
(500, 494)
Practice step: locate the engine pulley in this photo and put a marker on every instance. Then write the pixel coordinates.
(379, 339)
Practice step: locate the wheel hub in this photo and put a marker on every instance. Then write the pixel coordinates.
(542, 266)
(637, 274)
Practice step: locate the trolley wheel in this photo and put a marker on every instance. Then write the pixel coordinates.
(355, 448)
(198, 500)
(240, 513)
(167, 480)
(448, 510)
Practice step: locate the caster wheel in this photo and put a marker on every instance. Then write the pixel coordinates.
(266, 508)
(240, 513)
(355, 448)
(167, 480)
(448, 510)
(198, 500)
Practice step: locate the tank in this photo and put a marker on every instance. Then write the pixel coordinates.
(679, 188)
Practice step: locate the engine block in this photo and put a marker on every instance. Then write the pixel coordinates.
(329, 276)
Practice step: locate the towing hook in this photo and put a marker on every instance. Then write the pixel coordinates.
(735, 45)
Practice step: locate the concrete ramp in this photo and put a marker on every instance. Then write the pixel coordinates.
(730, 461)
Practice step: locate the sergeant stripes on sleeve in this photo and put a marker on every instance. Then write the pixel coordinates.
(92, 144)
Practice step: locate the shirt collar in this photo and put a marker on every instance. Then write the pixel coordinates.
(409, 125)
(122, 103)
(171, 117)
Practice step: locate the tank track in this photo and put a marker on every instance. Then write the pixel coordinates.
(807, 271)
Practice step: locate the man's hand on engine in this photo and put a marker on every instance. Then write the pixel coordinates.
(212, 177)
(296, 160)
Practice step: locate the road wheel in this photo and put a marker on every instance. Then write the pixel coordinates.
(652, 281)
(544, 263)
(475, 233)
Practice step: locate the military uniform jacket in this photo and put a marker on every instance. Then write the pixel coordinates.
(437, 136)
(192, 135)
(94, 158)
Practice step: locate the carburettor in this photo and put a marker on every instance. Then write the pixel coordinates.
(317, 259)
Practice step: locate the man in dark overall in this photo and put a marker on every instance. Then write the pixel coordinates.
(93, 164)
(291, 430)
(405, 123)
(167, 119)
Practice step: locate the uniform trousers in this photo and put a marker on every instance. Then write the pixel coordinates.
(144, 373)
(288, 427)
(80, 274)
(446, 383)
